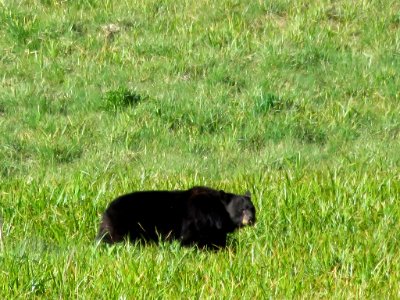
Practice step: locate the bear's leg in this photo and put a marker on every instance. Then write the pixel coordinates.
(188, 235)
(215, 241)
(204, 238)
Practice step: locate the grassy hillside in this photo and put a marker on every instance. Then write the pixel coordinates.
(296, 101)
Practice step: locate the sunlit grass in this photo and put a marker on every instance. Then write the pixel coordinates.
(296, 101)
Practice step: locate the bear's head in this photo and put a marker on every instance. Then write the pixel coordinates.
(240, 209)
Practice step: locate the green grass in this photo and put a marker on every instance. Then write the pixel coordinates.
(296, 101)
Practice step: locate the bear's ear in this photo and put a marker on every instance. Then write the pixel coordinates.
(247, 194)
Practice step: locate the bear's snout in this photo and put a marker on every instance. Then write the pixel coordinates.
(247, 218)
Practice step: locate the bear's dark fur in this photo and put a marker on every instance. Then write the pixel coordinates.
(199, 216)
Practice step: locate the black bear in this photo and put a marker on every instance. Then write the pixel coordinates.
(199, 216)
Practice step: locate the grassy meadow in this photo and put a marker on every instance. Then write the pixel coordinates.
(296, 101)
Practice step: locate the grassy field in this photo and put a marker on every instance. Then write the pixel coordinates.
(296, 101)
